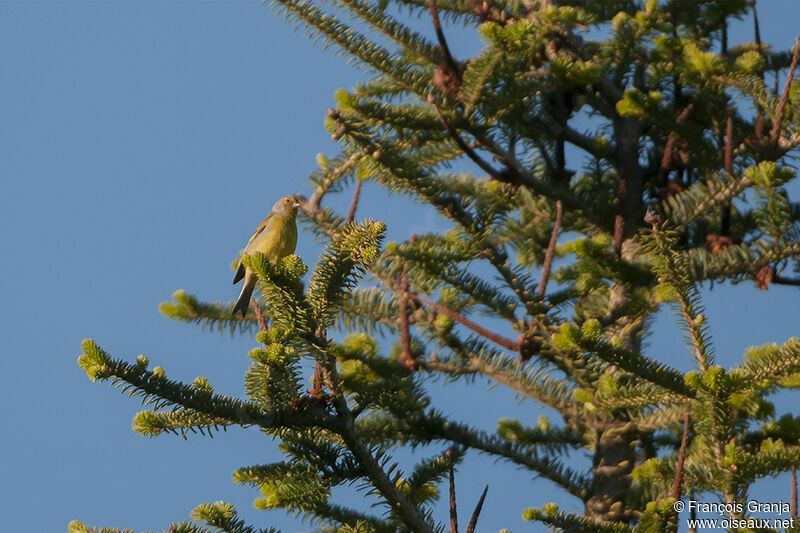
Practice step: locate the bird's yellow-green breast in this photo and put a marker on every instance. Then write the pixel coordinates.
(277, 239)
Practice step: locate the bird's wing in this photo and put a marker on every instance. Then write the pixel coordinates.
(240, 271)
(258, 231)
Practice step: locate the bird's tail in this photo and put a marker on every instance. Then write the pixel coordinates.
(244, 297)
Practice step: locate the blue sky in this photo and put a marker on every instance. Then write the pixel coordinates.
(140, 145)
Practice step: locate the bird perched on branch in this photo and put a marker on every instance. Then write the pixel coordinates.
(276, 237)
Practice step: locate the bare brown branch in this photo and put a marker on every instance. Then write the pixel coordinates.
(759, 125)
(448, 57)
(480, 330)
(669, 148)
(351, 214)
(262, 324)
(406, 357)
(775, 134)
(473, 521)
(676, 485)
(551, 250)
(728, 157)
(453, 510)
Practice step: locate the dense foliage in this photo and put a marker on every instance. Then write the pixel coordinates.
(628, 144)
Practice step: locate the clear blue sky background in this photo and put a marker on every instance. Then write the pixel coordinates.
(140, 144)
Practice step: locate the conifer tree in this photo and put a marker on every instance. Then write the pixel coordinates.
(619, 156)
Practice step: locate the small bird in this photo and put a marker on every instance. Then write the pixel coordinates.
(276, 237)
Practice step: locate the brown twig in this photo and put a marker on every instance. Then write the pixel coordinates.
(619, 220)
(351, 214)
(405, 335)
(676, 485)
(775, 134)
(448, 57)
(261, 322)
(316, 391)
(480, 330)
(759, 125)
(473, 521)
(551, 250)
(666, 159)
(406, 357)
(728, 163)
(764, 276)
(453, 511)
(793, 504)
(756, 25)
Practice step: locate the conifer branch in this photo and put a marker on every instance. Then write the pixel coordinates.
(736, 262)
(480, 330)
(437, 427)
(709, 199)
(535, 385)
(446, 266)
(178, 421)
(396, 31)
(674, 271)
(369, 309)
(769, 364)
(223, 517)
(338, 515)
(515, 279)
(588, 144)
(657, 418)
(325, 179)
(158, 389)
(646, 368)
(525, 178)
(466, 148)
(558, 519)
(215, 315)
(355, 43)
(405, 509)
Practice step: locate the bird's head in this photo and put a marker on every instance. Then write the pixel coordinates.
(286, 206)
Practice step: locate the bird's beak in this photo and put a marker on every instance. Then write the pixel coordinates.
(296, 204)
